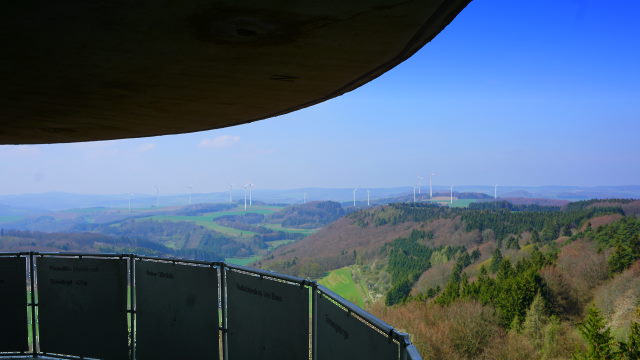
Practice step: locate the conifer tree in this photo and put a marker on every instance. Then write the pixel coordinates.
(600, 343)
(535, 320)
(496, 260)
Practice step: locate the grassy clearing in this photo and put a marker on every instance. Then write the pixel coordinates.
(341, 282)
(243, 261)
(264, 210)
(205, 220)
(274, 244)
(278, 227)
(462, 202)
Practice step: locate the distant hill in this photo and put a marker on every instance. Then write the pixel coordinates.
(56, 201)
(7, 210)
(311, 215)
(535, 201)
(203, 231)
(361, 236)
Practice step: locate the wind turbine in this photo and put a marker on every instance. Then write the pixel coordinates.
(354, 197)
(451, 201)
(245, 197)
(431, 185)
(414, 194)
(230, 189)
(304, 198)
(157, 196)
(368, 197)
(190, 187)
(130, 195)
(250, 187)
(495, 192)
(420, 178)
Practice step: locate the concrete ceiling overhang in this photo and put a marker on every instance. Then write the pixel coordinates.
(82, 70)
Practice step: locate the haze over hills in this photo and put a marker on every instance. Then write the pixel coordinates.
(200, 231)
(19, 204)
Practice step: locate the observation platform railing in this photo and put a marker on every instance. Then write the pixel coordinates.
(130, 307)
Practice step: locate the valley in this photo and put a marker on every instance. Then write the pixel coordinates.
(211, 232)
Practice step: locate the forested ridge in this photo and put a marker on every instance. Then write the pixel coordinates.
(553, 287)
(310, 215)
(492, 281)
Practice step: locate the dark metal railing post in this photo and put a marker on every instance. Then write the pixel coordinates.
(408, 351)
(314, 320)
(32, 283)
(223, 304)
(132, 307)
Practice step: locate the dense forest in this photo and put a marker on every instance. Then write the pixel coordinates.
(493, 281)
(564, 293)
(311, 215)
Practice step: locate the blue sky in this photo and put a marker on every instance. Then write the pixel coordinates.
(512, 92)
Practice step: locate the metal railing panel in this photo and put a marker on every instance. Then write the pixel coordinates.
(176, 311)
(381, 325)
(266, 318)
(281, 307)
(82, 307)
(344, 336)
(13, 304)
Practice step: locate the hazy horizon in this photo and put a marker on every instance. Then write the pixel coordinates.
(543, 93)
(439, 187)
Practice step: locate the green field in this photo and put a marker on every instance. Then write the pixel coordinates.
(204, 220)
(264, 210)
(341, 282)
(274, 244)
(243, 261)
(278, 227)
(460, 202)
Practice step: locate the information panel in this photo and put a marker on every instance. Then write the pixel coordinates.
(13, 304)
(342, 336)
(176, 311)
(267, 319)
(83, 307)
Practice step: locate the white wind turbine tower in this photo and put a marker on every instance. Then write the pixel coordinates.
(250, 188)
(451, 200)
(354, 197)
(130, 195)
(304, 198)
(230, 189)
(495, 192)
(431, 185)
(414, 194)
(157, 196)
(245, 197)
(420, 178)
(190, 187)
(368, 197)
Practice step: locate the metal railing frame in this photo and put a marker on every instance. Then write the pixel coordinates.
(407, 351)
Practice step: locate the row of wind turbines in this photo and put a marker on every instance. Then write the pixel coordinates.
(431, 175)
(248, 186)
(248, 189)
(417, 190)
